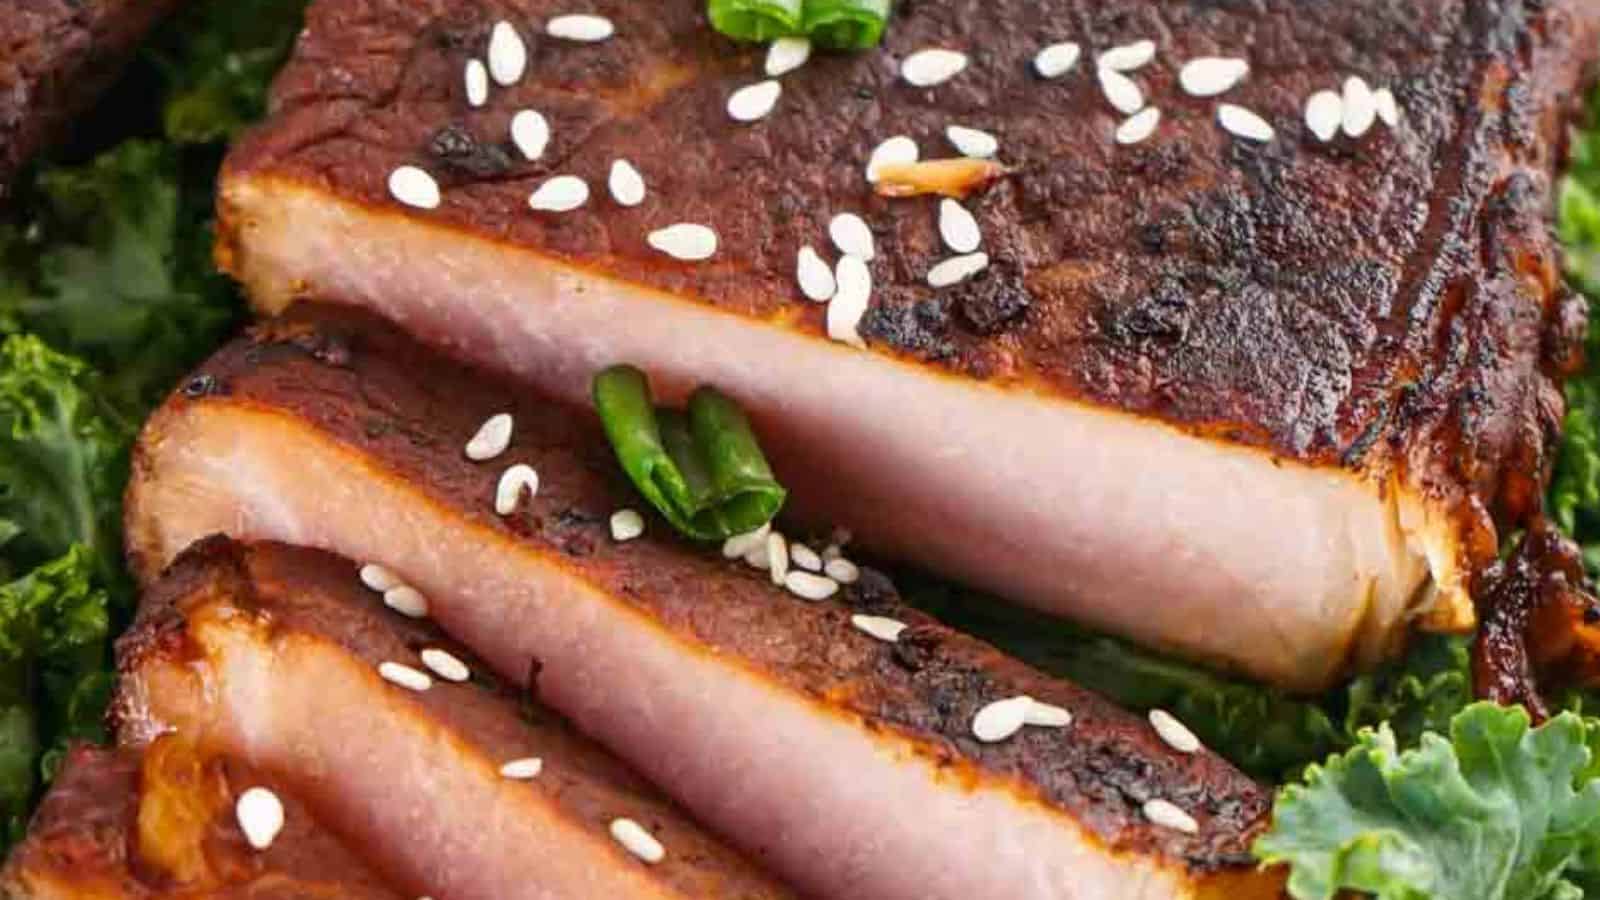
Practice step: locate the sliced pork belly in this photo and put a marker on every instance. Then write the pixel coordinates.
(1262, 403)
(282, 657)
(846, 762)
(140, 823)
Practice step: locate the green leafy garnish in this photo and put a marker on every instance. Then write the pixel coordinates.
(846, 24)
(218, 74)
(756, 20)
(1575, 487)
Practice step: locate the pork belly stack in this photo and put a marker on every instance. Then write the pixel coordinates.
(1227, 388)
(401, 740)
(846, 762)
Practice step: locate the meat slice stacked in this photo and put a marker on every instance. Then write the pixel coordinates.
(846, 762)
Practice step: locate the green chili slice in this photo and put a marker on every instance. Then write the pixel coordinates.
(845, 24)
(756, 20)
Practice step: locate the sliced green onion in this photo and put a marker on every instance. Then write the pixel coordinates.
(756, 20)
(703, 470)
(845, 24)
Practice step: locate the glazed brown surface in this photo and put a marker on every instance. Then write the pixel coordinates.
(340, 376)
(86, 843)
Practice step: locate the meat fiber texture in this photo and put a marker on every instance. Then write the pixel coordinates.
(846, 763)
(1261, 404)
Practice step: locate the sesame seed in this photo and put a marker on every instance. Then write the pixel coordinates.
(491, 439)
(777, 557)
(531, 133)
(740, 544)
(1001, 719)
(1127, 57)
(523, 769)
(755, 101)
(586, 29)
(1167, 815)
(627, 185)
(1057, 60)
(814, 275)
(849, 302)
(445, 665)
(894, 151)
(260, 816)
(805, 557)
(1388, 109)
(810, 587)
(626, 524)
(379, 578)
(1209, 76)
(519, 479)
(404, 676)
(1047, 715)
(414, 187)
(881, 627)
(757, 558)
(852, 236)
(958, 227)
(1360, 107)
(1123, 95)
(476, 79)
(972, 142)
(840, 569)
(1139, 126)
(787, 54)
(1175, 733)
(407, 601)
(685, 241)
(957, 269)
(1241, 122)
(935, 65)
(508, 55)
(1324, 114)
(636, 840)
(563, 193)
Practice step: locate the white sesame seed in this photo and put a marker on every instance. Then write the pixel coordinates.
(852, 236)
(814, 275)
(1057, 60)
(1324, 114)
(1127, 57)
(1001, 719)
(626, 524)
(685, 241)
(491, 439)
(935, 65)
(587, 29)
(563, 193)
(1209, 76)
(476, 79)
(898, 149)
(1174, 732)
(1241, 122)
(404, 676)
(787, 54)
(1388, 108)
(524, 769)
(849, 302)
(777, 557)
(972, 142)
(407, 601)
(379, 578)
(508, 55)
(444, 664)
(414, 187)
(636, 840)
(1167, 815)
(627, 185)
(740, 544)
(840, 569)
(957, 227)
(1123, 95)
(514, 482)
(805, 557)
(1360, 107)
(260, 816)
(1047, 715)
(881, 627)
(808, 586)
(530, 132)
(957, 269)
(1139, 126)
(757, 558)
(753, 102)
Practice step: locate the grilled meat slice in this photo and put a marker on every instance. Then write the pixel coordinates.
(846, 763)
(275, 654)
(1264, 404)
(158, 821)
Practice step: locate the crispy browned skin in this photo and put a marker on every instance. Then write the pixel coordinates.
(137, 823)
(341, 376)
(1392, 303)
